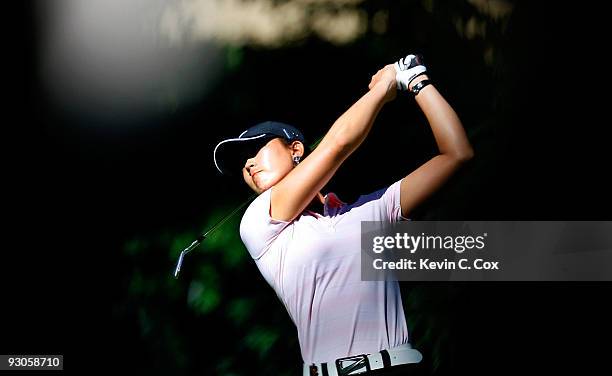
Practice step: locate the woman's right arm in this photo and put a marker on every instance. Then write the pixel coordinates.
(295, 191)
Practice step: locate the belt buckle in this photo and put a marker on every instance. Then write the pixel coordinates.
(353, 365)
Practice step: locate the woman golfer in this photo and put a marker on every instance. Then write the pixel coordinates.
(307, 245)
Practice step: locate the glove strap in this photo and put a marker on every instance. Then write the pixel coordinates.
(419, 86)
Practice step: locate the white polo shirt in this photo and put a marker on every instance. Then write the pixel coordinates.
(313, 264)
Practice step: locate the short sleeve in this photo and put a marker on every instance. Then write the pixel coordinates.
(257, 228)
(381, 205)
(394, 202)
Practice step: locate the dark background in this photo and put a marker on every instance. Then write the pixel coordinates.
(96, 215)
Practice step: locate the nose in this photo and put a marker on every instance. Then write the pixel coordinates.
(249, 165)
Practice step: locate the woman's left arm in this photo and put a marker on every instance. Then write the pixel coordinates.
(453, 145)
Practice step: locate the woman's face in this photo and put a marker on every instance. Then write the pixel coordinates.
(272, 162)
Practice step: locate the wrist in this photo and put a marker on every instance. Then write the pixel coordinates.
(383, 88)
(391, 90)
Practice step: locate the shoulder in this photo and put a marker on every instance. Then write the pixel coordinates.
(388, 192)
(382, 204)
(257, 228)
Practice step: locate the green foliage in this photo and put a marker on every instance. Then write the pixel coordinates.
(234, 57)
(261, 339)
(239, 310)
(201, 298)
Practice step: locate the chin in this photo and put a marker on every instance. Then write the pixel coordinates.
(266, 183)
(263, 187)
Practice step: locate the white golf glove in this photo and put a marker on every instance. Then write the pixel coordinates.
(406, 69)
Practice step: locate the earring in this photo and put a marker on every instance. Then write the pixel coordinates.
(296, 159)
